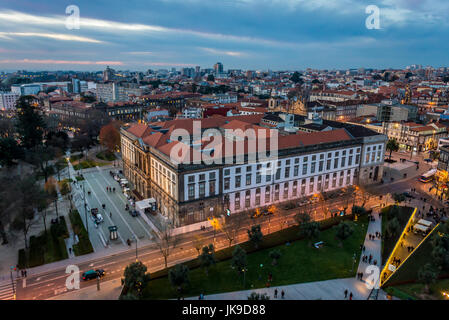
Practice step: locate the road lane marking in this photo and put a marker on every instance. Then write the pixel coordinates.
(107, 216)
(119, 212)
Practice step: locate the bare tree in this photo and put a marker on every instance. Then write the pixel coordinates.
(166, 242)
(231, 225)
(198, 242)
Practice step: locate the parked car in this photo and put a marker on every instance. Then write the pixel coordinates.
(93, 274)
(134, 213)
(408, 195)
(98, 218)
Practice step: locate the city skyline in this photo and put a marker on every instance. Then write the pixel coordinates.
(276, 35)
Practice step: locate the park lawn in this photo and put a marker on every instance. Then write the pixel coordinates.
(416, 290)
(389, 243)
(45, 248)
(300, 262)
(106, 155)
(85, 164)
(84, 246)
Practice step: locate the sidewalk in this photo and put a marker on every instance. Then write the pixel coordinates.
(321, 290)
(109, 290)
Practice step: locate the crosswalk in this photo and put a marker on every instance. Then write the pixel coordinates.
(6, 291)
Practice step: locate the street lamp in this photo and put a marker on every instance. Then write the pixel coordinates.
(12, 283)
(85, 206)
(135, 238)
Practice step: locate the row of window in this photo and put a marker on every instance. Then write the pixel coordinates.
(330, 182)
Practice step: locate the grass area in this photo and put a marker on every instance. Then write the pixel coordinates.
(76, 157)
(45, 248)
(106, 155)
(83, 246)
(414, 291)
(300, 262)
(403, 215)
(85, 164)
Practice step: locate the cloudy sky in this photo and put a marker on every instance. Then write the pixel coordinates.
(247, 34)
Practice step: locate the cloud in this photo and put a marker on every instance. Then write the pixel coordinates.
(55, 36)
(223, 52)
(52, 61)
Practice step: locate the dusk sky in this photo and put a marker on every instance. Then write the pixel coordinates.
(245, 34)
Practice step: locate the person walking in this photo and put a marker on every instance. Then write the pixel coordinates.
(346, 293)
(350, 296)
(282, 294)
(110, 214)
(275, 293)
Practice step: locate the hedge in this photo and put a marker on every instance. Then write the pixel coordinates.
(83, 246)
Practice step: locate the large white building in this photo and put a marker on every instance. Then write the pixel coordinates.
(305, 164)
(8, 100)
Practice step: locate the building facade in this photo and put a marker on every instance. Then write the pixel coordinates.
(305, 164)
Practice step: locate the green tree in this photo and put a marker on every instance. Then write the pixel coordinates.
(309, 230)
(398, 197)
(255, 235)
(427, 275)
(343, 231)
(30, 124)
(358, 210)
(239, 261)
(207, 257)
(179, 276)
(275, 254)
(440, 251)
(392, 145)
(393, 227)
(9, 151)
(136, 278)
(296, 77)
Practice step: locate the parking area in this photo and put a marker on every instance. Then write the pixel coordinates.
(111, 209)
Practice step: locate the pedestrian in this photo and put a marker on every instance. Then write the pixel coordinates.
(350, 296)
(346, 293)
(275, 293)
(370, 258)
(25, 272)
(110, 214)
(113, 189)
(375, 262)
(21, 272)
(282, 294)
(70, 250)
(361, 276)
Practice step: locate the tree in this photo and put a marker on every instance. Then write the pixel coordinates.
(40, 157)
(52, 192)
(343, 231)
(275, 254)
(358, 210)
(239, 261)
(427, 275)
(296, 77)
(258, 296)
(136, 278)
(307, 228)
(231, 225)
(179, 276)
(110, 137)
(198, 242)
(392, 145)
(207, 257)
(166, 242)
(398, 197)
(440, 251)
(26, 197)
(9, 151)
(30, 124)
(42, 207)
(255, 235)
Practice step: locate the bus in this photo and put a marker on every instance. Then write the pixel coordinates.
(428, 176)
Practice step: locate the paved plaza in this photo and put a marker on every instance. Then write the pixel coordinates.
(114, 214)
